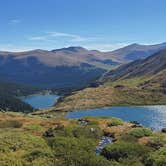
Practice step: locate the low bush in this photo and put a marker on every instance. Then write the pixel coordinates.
(140, 132)
(123, 150)
(115, 122)
(157, 158)
(157, 142)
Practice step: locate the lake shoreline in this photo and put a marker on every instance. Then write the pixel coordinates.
(153, 116)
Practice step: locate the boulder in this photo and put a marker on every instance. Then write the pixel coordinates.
(163, 130)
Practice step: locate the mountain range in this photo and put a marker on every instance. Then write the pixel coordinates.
(67, 67)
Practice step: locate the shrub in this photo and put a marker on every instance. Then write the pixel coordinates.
(157, 158)
(157, 142)
(140, 132)
(123, 150)
(115, 122)
(128, 137)
(35, 154)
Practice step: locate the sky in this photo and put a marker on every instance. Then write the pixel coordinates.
(93, 24)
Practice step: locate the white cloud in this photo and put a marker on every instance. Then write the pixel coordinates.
(52, 36)
(93, 43)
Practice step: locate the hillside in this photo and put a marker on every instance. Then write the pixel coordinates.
(141, 82)
(72, 67)
(145, 67)
(9, 97)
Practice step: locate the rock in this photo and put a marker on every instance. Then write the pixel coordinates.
(83, 122)
(92, 129)
(163, 130)
(119, 86)
(49, 133)
(136, 124)
(14, 148)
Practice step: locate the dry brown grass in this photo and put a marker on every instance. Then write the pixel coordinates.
(143, 140)
(33, 124)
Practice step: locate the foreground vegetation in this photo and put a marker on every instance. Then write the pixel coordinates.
(32, 140)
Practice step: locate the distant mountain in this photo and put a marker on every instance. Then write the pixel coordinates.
(134, 51)
(144, 67)
(67, 67)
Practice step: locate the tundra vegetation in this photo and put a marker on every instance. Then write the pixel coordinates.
(34, 140)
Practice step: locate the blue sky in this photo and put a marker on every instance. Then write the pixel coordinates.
(94, 24)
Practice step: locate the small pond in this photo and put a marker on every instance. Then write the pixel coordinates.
(41, 101)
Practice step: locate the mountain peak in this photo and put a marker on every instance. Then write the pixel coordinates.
(71, 49)
(134, 45)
